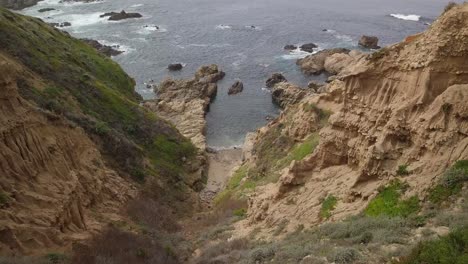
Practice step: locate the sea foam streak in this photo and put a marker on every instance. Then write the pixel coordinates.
(297, 54)
(406, 17)
(223, 27)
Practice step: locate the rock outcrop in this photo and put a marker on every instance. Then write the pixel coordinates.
(114, 16)
(274, 79)
(405, 104)
(369, 42)
(309, 47)
(315, 63)
(185, 102)
(236, 88)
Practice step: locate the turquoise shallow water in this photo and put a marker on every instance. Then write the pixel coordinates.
(197, 32)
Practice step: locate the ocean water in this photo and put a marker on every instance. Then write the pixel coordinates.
(244, 37)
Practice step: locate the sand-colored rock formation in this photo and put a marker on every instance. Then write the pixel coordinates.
(406, 104)
(52, 175)
(185, 102)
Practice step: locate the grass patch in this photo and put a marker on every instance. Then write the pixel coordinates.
(388, 202)
(241, 212)
(237, 177)
(450, 249)
(328, 205)
(451, 182)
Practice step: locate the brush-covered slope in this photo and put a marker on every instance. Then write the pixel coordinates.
(73, 138)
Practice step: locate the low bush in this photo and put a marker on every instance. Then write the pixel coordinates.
(450, 249)
(328, 205)
(344, 256)
(451, 182)
(388, 202)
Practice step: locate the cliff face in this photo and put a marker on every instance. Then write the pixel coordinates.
(75, 145)
(403, 105)
(52, 175)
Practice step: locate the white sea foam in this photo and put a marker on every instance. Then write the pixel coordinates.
(117, 46)
(136, 5)
(80, 20)
(223, 26)
(296, 54)
(148, 29)
(345, 38)
(406, 17)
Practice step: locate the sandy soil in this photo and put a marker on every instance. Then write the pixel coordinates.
(221, 165)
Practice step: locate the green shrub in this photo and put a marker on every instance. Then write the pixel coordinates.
(450, 249)
(328, 205)
(241, 212)
(56, 258)
(402, 170)
(388, 202)
(4, 198)
(451, 183)
(262, 255)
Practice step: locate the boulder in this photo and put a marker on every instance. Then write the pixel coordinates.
(236, 88)
(290, 47)
(369, 42)
(175, 67)
(209, 74)
(114, 16)
(315, 63)
(42, 10)
(274, 79)
(309, 47)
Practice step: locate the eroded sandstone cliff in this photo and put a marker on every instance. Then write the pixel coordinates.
(403, 105)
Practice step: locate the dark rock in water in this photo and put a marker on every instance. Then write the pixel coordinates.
(290, 47)
(104, 49)
(175, 67)
(119, 16)
(236, 88)
(42, 10)
(309, 47)
(62, 24)
(324, 30)
(369, 42)
(274, 79)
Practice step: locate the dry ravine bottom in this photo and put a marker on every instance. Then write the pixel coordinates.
(370, 167)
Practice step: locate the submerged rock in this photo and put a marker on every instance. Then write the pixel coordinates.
(290, 47)
(104, 49)
(236, 88)
(309, 47)
(369, 42)
(175, 67)
(42, 10)
(274, 79)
